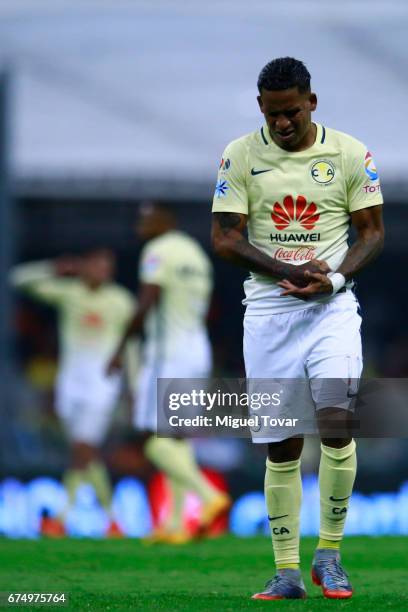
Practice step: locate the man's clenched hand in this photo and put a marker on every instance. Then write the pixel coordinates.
(298, 277)
(318, 285)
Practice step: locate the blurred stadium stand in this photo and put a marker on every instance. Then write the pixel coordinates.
(119, 101)
(121, 97)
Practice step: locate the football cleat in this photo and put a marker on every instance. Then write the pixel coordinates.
(161, 536)
(328, 573)
(157, 536)
(286, 584)
(214, 509)
(177, 537)
(51, 527)
(114, 531)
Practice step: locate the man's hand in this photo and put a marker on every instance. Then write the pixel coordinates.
(67, 265)
(318, 285)
(297, 277)
(115, 364)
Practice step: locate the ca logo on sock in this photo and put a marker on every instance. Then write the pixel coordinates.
(280, 530)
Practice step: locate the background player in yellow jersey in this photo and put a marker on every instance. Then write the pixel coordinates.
(93, 313)
(175, 288)
(296, 186)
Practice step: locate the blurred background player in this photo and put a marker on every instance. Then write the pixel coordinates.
(92, 314)
(172, 305)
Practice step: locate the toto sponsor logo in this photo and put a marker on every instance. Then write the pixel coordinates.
(371, 188)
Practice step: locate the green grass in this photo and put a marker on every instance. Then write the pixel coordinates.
(217, 575)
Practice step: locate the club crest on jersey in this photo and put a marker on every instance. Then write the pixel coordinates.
(291, 212)
(221, 188)
(323, 171)
(369, 167)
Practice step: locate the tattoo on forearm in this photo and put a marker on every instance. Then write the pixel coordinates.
(251, 258)
(240, 251)
(228, 221)
(360, 254)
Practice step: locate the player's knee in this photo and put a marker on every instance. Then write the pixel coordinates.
(336, 442)
(285, 450)
(83, 454)
(335, 426)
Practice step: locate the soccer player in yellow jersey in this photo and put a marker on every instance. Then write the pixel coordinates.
(93, 312)
(175, 288)
(296, 186)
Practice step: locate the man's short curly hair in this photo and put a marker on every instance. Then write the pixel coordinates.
(284, 73)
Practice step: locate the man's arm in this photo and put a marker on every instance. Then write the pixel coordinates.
(148, 297)
(369, 226)
(42, 279)
(230, 243)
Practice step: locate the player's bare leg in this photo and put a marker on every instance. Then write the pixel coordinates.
(283, 493)
(75, 475)
(336, 479)
(86, 466)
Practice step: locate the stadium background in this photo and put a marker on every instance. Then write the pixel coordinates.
(108, 105)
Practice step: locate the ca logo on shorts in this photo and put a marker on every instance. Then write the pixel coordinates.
(323, 171)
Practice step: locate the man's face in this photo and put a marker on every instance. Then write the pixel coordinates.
(288, 114)
(98, 268)
(146, 222)
(151, 222)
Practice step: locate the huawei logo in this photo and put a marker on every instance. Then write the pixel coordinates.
(300, 211)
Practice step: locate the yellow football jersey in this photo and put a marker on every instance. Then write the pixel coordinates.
(298, 203)
(177, 263)
(91, 322)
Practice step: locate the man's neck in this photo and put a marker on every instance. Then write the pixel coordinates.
(93, 286)
(165, 230)
(308, 141)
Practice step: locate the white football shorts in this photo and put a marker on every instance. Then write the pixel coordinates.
(193, 362)
(314, 345)
(85, 402)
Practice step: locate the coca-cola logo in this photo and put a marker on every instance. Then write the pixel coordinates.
(299, 211)
(302, 253)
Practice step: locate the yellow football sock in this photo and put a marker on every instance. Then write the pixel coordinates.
(283, 495)
(97, 475)
(337, 473)
(72, 479)
(174, 521)
(328, 544)
(176, 459)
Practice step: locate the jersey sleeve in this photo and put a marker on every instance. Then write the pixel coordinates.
(153, 266)
(363, 184)
(231, 193)
(38, 280)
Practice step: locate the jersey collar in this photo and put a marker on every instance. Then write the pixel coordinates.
(320, 137)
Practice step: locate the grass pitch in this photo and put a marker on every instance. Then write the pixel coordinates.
(217, 575)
